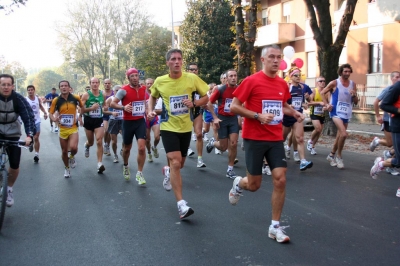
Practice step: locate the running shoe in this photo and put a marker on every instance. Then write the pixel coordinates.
(375, 169)
(392, 171)
(10, 197)
(126, 172)
(313, 152)
(305, 164)
(339, 163)
(331, 160)
(234, 195)
(205, 137)
(236, 161)
(72, 161)
(51, 129)
(86, 151)
(56, 130)
(140, 179)
(386, 155)
(218, 152)
(36, 158)
(277, 232)
(67, 172)
(287, 152)
(149, 158)
(374, 143)
(120, 152)
(309, 145)
(115, 158)
(184, 210)
(107, 150)
(166, 182)
(296, 157)
(190, 152)
(194, 137)
(100, 168)
(200, 163)
(266, 170)
(398, 192)
(155, 152)
(231, 174)
(210, 145)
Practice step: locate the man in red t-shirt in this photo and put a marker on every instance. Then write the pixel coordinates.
(226, 122)
(265, 97)
(133, 97)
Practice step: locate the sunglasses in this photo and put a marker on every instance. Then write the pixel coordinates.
(296, 76)
(321, 80)
(192, 69)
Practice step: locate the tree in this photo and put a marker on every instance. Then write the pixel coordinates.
(13, 3)
(207, 37)
(245, 36)
(45, 80)
(327, 50)
(18, 72)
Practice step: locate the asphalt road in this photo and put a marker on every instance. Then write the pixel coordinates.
(336, 217)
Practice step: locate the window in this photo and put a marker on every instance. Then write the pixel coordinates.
(264, 14)
(375, 57)
(311, 65)
(286, 12)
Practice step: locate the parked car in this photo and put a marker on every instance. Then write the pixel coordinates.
(307, 120)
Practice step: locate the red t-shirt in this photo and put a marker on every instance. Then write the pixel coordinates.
(263, 94)
(137, 98)
(224, 104)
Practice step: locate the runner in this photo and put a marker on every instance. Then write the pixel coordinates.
(115, 122)
(107, 93)
(343, 95)
(48, 99)
(176, 90)
(153, 125)
(66, 105)
(266, 96)
(133, 98)
(226, 122)
(93, 104)
(36, 106)
(14, 105)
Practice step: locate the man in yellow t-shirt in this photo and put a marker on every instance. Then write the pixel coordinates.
(66, 105)
(176, 90)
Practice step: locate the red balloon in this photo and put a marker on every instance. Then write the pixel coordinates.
(298, 62)
(283, 65)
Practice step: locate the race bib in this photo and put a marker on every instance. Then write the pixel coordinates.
(176, 105)
(95, 113)
(138, 108)
(227, 106)
(67, 120)
(296, 102)
(318, 110)
(342, 110)
(119, 114)
(275, 108)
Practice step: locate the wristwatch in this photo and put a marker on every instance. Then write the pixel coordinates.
(256, 116)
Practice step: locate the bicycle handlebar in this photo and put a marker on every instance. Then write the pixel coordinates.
(19, 143)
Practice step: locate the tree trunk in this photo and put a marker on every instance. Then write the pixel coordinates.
(240, 39)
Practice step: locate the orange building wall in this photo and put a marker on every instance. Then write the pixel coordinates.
(391, 48)
(358, 54)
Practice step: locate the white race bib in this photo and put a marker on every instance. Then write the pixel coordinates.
(176, 105)
(95, 113)
(296, 102)
(342, 110)
(138, 108)
(227, 106)
(275, 108)
(67, 120)
(318, 110)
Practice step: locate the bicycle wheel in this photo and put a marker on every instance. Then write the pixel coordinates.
(3, 195)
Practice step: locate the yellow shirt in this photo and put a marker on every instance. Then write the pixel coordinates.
(317, 109)
(178, 118)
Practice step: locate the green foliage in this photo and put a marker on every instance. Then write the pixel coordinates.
(17, 71)
(207, 37)
(45, 80)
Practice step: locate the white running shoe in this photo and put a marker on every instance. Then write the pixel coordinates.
(287, 152)
(205, 137)
(309, 145)
(115, 158)
(72, 162)
(140, 179)
(398, 193)
(190, 152)
(10, 197)
(266, 170)
(67, 173)
(218, 152)
(166, 182)
(374, 143)
(331, 160)
(155, 152)
(392, 171)
(149, 158)
(313, 152)
(184, 210)
(194, 138)
(339, 163)
(100, 168)
(386, 155)
(56, 130)
(278, 233)
(234, 195)
(200, 163)
(87, 151)
(375, 169)
(296, 157)
(126, 172)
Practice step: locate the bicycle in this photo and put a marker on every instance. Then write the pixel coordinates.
(4, 144)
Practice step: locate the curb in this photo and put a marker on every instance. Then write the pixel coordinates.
(356, 132)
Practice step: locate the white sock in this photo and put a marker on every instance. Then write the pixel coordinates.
(273, 223)
(99, 164)
(9, 188)
(230, 168)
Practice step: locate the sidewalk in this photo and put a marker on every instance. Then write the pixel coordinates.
(365, 129)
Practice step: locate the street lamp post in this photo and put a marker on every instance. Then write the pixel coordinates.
(16, 83)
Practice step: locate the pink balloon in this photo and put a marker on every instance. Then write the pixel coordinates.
(283, 65)
(298, 62)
